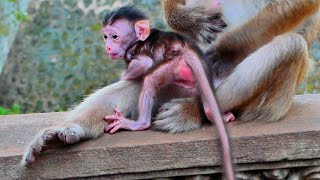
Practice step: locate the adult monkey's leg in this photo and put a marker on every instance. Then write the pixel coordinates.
(85, 121)
(263, 85)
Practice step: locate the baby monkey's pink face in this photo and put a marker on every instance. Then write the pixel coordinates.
(118, 37)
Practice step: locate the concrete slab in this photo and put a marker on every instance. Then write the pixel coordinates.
(292, 142)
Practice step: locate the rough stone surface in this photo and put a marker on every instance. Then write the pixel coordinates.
(292, 142)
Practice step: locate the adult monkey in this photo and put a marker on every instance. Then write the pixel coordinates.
(264, 97)
(261, 59)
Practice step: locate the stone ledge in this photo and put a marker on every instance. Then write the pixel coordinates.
(292, 142)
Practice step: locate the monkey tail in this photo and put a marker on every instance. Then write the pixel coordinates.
(194, 22)
(212, 113)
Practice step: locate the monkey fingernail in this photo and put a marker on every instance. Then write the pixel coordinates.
(109, 118)
(106, 129)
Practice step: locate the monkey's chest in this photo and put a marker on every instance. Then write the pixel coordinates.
(184, 76)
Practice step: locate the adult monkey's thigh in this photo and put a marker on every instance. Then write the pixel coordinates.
(262, 86)
(85, 121)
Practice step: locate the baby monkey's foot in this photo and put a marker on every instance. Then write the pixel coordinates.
(118, 122)
(229, 117)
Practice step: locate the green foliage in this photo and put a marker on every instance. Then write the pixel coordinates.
(4, 30)
(96, 27)
(11, 15)
(15, 109)
(21, 16)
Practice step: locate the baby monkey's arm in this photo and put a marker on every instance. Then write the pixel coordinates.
(137, 67)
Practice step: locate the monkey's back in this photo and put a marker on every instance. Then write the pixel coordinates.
(164, 42)
(163, 46)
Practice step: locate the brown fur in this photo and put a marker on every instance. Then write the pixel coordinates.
(263, 61)
(249, 37)
(206, 27)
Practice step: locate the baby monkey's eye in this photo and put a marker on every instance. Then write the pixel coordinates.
(105, 37)
(114, 36)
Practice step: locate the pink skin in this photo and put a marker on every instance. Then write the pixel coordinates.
(184, 76)
(229, 117)
(117, 122)
(216, 4)
(117, 38)
(186, 72)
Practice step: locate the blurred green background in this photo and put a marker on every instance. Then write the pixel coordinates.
(52, 52)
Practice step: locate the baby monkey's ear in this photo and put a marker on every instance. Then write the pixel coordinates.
(142, 29)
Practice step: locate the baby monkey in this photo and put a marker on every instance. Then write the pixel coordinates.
(160, 59)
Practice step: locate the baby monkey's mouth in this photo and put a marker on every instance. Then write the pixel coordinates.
(114, 56)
